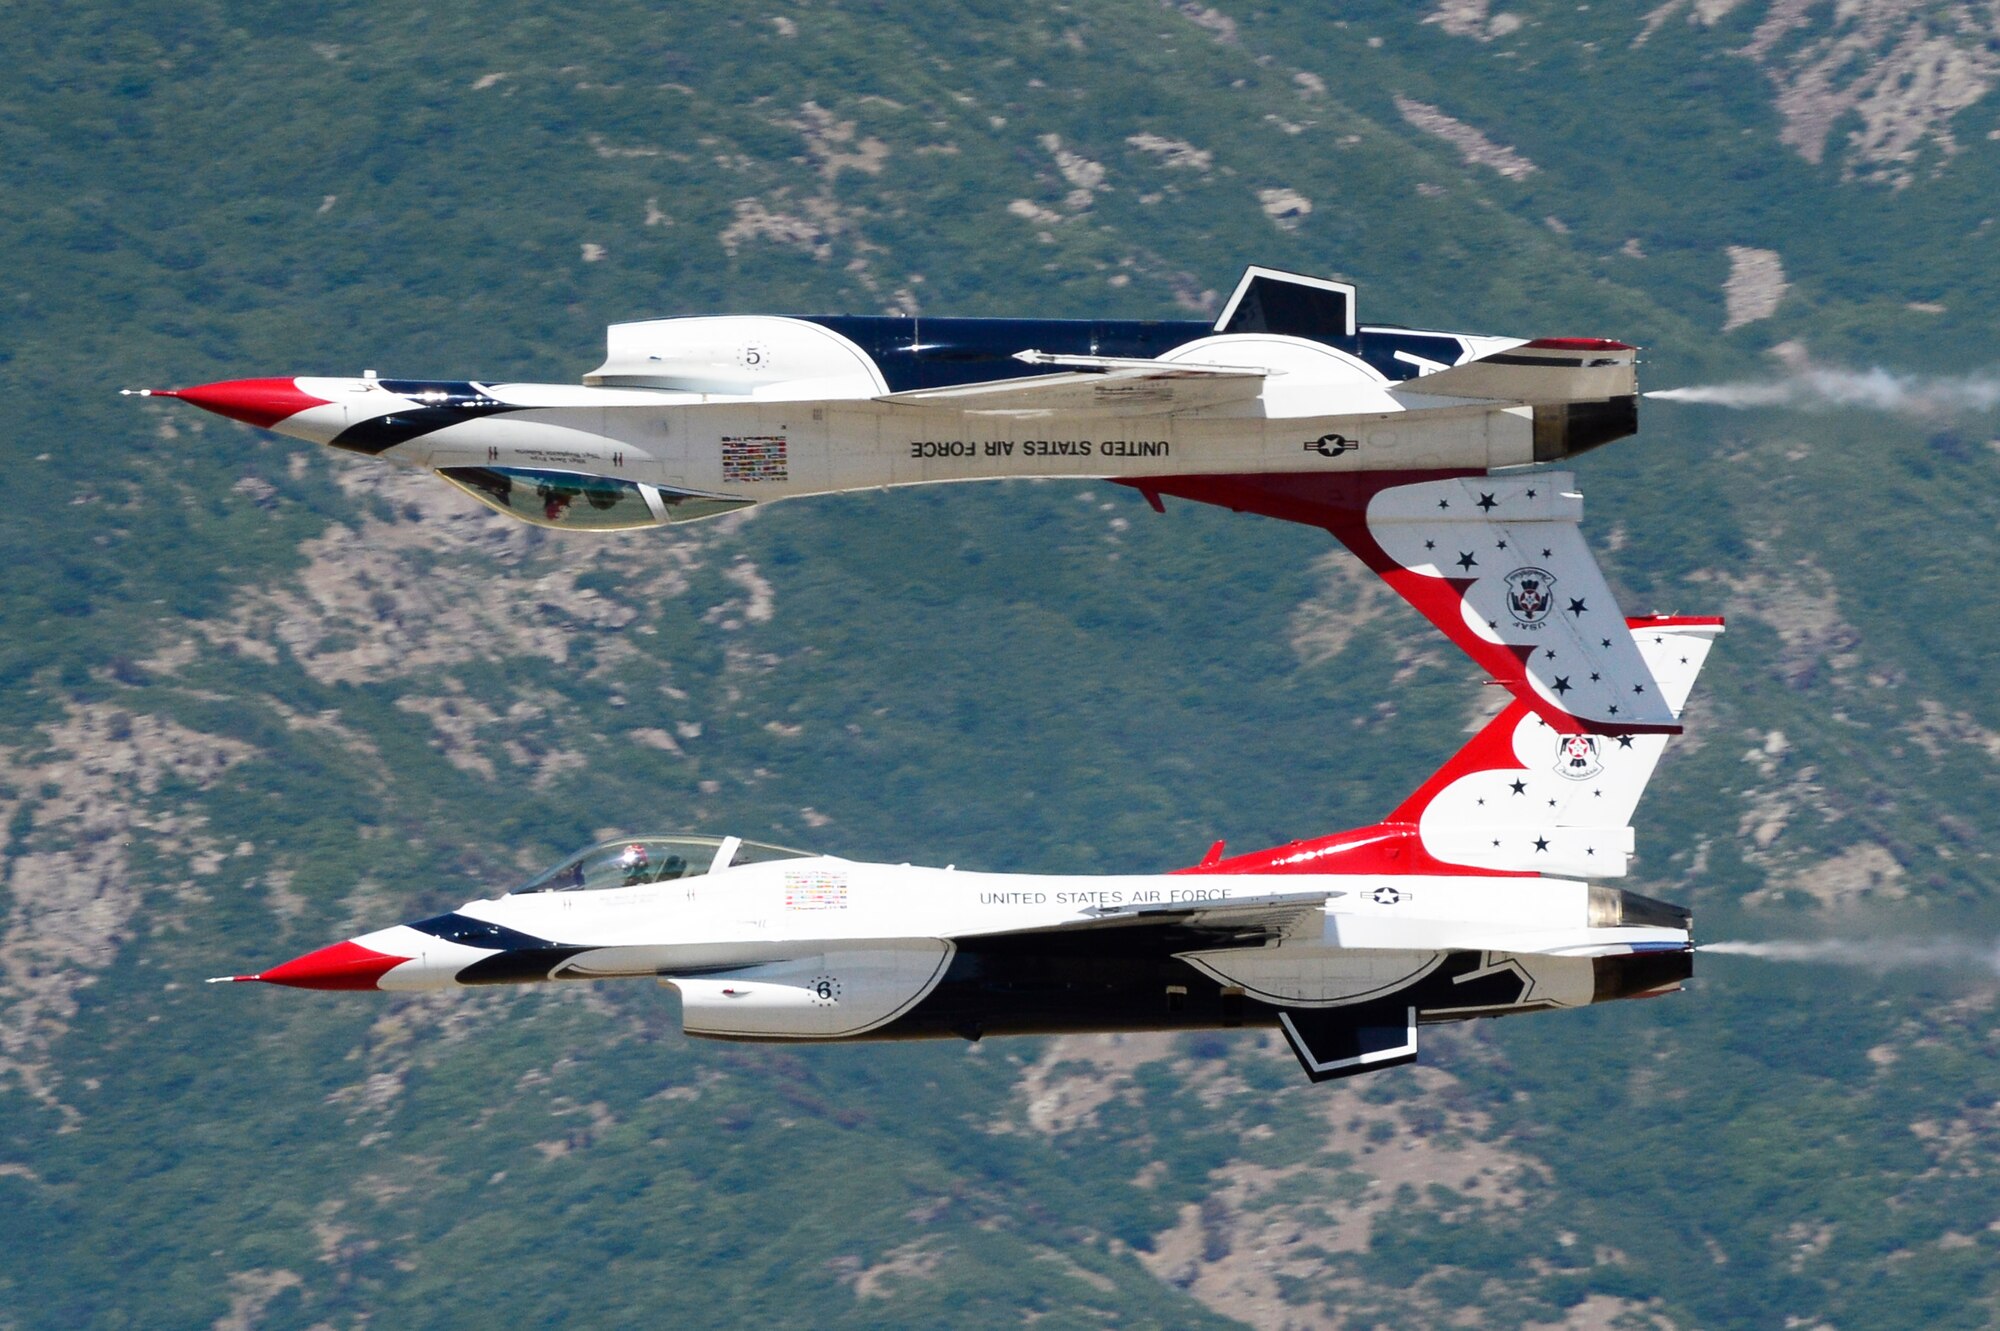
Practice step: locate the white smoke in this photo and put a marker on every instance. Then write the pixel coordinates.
(1875, 954)
(1823, 388)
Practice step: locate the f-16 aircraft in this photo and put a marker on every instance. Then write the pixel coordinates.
(1469, 900)
(1285, 405)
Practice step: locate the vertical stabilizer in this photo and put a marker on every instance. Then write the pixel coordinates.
(1524, 795)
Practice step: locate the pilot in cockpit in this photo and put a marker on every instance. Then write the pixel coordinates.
(634, 862)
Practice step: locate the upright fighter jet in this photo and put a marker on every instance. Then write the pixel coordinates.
(1406, 445)
(1469, 900)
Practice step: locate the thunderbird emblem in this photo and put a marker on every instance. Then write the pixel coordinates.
(1530, 595)
(1577, 758)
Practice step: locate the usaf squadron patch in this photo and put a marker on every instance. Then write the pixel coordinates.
(1530, 596)
(1577, 757)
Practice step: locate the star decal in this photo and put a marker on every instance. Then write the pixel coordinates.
(1444, 503)
(1638, 688)
(1430, 545)
(1501, 546)
(1562, 685)
(1577, 607)
(1465, 560)
(1547, 553)
(1531, 494)
(1541, 843)
(1604, 642)
(1519, 787)
(1595, 678)
(1487, 503)
(1614, 709)
(1624, 741)
(1552, 653)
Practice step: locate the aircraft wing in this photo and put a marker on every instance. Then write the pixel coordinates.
(1091, 384)
(1260, 921)
(1497, 562)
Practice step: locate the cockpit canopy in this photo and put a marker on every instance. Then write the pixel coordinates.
(631, 861)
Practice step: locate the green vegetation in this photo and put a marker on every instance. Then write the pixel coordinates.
(249, 719)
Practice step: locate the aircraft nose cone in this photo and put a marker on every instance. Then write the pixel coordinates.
(342, 966)
(259, 402)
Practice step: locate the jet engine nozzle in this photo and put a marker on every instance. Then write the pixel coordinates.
(1640, 974)
(1611, 907)
(1647, 971)
(1564, 429)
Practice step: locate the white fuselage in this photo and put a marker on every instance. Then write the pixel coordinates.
(831, 424)
(824, 947)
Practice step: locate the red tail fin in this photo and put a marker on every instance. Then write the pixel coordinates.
(1522, 796)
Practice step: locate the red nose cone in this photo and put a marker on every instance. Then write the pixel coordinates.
(342, 966)
(260, 402)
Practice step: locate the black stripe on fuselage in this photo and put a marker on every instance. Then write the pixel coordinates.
(440, 403)
(1020, 985)
(518, 956)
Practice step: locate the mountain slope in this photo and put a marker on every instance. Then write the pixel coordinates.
(264, 697)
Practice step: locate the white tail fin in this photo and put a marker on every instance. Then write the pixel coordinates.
(1524, 797)
(1499, 564)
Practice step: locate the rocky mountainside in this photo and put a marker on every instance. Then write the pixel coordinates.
(262, 697)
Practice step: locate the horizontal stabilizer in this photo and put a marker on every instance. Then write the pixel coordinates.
(1141, 388)
(1551, 370)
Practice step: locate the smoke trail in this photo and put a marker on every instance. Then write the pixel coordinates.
(1821, 388)
(1876, 954)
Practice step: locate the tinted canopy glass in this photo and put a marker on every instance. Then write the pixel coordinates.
(579, 501)
(632, 861)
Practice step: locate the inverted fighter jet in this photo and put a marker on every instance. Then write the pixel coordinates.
(1405, 444)
(1469, 900)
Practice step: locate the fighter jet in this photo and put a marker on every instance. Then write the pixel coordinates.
(1469, 900)
(1388, 437)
